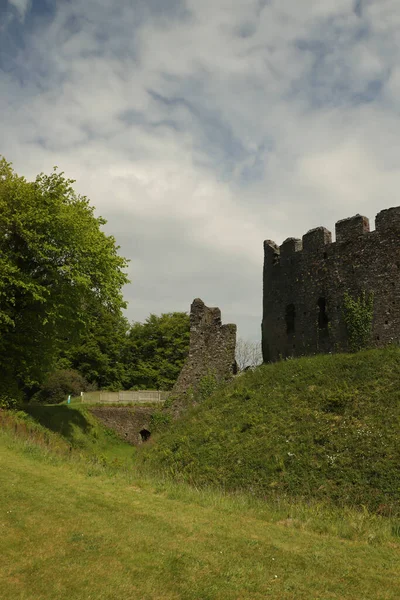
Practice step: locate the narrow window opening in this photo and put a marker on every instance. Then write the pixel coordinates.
(325, 255)
(144, 435)
(290, 317)
(323, 319)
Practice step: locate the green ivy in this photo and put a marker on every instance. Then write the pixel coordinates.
(207, 386)
(160, 419)
(358, 316)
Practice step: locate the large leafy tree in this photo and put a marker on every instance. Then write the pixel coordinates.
(57, 267)
(100, 354)
(156, 351)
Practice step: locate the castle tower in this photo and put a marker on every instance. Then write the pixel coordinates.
(305, 283)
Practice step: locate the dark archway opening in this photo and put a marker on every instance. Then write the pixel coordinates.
(323, 319)
(144, 435)
(290, 317)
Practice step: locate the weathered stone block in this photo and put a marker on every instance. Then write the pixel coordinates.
(316, 239)
(349, 229)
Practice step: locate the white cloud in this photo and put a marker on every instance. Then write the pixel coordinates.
(200, 131)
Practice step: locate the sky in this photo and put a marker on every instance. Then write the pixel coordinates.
(199, 129)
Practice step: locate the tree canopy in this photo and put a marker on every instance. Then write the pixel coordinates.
(57, 268)
(156, 351)
(101, 353)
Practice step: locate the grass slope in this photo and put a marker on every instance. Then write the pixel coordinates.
(324, 427)
(68, 531)
(66, 429)
(80, 429)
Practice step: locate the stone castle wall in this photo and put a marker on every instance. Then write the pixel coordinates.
(305, 282)
(212, 348)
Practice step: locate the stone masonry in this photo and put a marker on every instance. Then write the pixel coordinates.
(211, 351)
(131, 424)
(305, 282)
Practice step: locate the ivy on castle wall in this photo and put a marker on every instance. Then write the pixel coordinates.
(358, 317)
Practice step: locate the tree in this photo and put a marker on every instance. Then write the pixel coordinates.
(156, 351)
(248, 354)
(56, 268)
(101, 352)
(60, 384)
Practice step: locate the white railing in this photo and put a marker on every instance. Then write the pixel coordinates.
(125, 397)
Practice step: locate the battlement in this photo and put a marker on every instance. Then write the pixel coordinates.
(348, 230)
(315, 239)
(388, 220)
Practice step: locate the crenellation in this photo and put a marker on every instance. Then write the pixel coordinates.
(304, 293)
(271, 253)
(316, 239)
(388, 220)
(290, 246)
(349, 229)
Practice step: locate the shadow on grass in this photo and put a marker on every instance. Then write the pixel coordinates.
(60, 419)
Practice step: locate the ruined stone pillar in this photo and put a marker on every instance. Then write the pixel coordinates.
(211, 352)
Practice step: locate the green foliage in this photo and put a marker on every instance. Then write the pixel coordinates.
(7, 401)
(207, 386)
(60, 384)
(159, 420)
(56, 267)
(100, 353)
(156, 351)
(358, 316)
(323, 427)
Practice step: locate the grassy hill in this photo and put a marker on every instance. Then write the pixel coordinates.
(323, 427)
(74, 528)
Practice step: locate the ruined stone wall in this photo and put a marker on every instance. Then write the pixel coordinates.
(211, 351)
(126, 422)
(305, 282)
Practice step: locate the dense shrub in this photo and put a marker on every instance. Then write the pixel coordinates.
(60, 384)
(7, 401)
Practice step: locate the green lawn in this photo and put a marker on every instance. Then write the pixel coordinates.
(69, 531)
